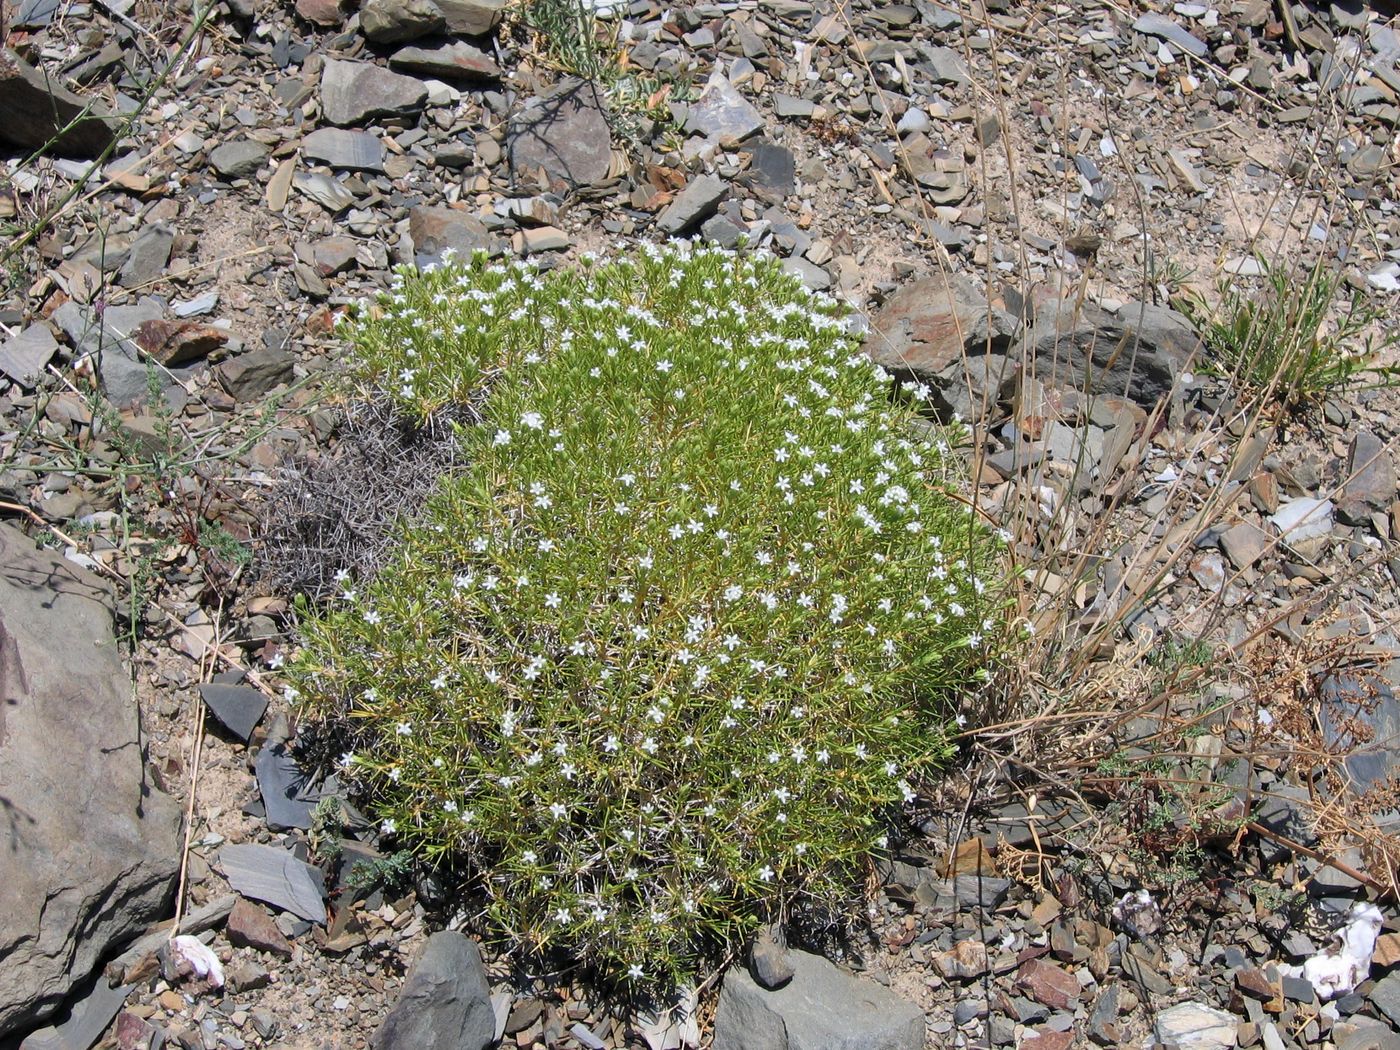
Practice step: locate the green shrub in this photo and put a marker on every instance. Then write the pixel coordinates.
(1285, 340)
(658, 664)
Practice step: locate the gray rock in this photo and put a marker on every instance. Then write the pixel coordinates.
(931, 324)
(1370, 475)
(1135, 353)
(23, 357)
(275, 876)
(91, 845)
(87, 1019)
(1195, 1026)
(1162, 27)
(445, 1001)
(237, 160)
(435, 230)
(250, 375)
(288, 797)
(771, 168)
(149, 254)
(394, 21)
(1360, 719)
(1244, 544)
(790, 107)
(472, 17)
(564, 132)
(1364, 1033)
(821, 1008)
(238, 708)
(327, 192)
(769, 960)
(961, 892)
(35, 107)
(693, 204)
(722, 114)
(809, 273)
(354, 92)
(109, 339)
(352, 150)
(945, 65)
(448, 59)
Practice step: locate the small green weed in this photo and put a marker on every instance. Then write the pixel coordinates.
(664, 658)
(1285, 341)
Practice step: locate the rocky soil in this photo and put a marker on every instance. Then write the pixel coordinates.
(1153, 842)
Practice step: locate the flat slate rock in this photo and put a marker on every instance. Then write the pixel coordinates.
(821, 1008)
(238, 708)
(33, 109)
(87, 1019)
(722, 114)
(1162, 27)
(445, 1001)
(237, 160)
(275, 877)
(342, 149)
(353, 92)
(92, 847)
(564, 132)
(435, 230)
(448, 59)
(287, 795)
(693, 204)
(24, 357)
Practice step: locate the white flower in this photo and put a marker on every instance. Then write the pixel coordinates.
(502, 438)
(552, 600)
(558, 810)
(634, 972)
(533, 420)
(404, 729)
(371, 617)
(388, 827)
(765, 874)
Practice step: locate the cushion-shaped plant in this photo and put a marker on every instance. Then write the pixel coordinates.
(660, 661)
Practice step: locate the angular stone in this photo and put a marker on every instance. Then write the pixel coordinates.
(251, 927)
(327, 192)
(1370, 474)
(1360, 718)
(964, 961)
(1195, 1026)
(149, 254)
(1244, 544)
(472, 17)
(88, 1018)
(1135, 353)
(1048, 984)
(821, 1008)
(445, 1000)
(325, 13)
(693, 204)
(334, 254)
(239, 159)
(250, 375)
(448, 59)
(91, 844)
(435, 230)
(172, 343)
(238, 708)
(930, 324)
(1162, 27)
(394, 21)
(109, 339)
(564, 132)
(769, 960)
(24, 356)
(354, 92)
(34, 108)
(771, 167)
(287, 793)
(275, 876)
(722, 114)
(344, 150)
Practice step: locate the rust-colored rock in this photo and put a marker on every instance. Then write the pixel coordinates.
(173, 343)
(1048, 984)
(251, 927)
(932, 323)
(326, 13)
(964, 961)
